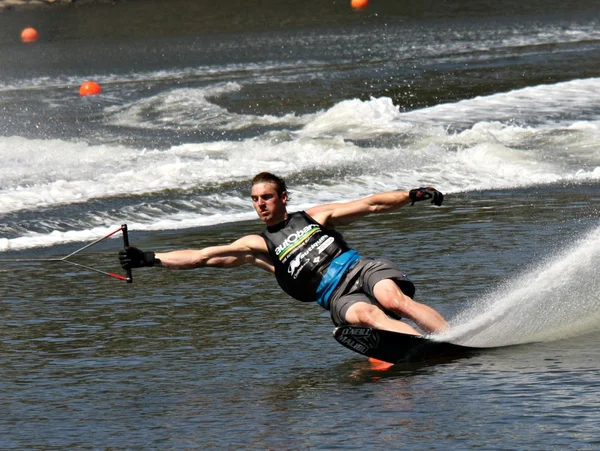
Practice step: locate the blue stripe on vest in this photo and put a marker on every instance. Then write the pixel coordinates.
(333, 276)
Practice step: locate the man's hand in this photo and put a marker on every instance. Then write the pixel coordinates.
(132, 257)
(424, 193)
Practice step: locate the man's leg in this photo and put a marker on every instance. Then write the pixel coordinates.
(389, 295)
(366, 314)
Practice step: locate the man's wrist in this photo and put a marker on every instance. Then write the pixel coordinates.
(150, 259)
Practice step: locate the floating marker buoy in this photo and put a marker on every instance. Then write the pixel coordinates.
(29, 35)
(89, 88)
(359, 4)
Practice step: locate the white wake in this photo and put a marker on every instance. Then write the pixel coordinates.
(558, 299)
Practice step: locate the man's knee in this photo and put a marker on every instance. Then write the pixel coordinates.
(391, 297)
(364, 314)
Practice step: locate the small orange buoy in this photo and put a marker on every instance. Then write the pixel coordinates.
(89, 88)
(359, 4)
(29, 35)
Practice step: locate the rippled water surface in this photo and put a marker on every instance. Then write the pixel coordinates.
(218, 359)
(494, 103)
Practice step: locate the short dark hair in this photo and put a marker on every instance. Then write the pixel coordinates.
(267, 177)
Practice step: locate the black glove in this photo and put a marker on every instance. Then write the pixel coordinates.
(424, 193)
(132, 257)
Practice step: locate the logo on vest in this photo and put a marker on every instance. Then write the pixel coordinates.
(294, 268)
(294, 237)
(301, 260)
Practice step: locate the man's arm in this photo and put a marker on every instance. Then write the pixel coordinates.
(348, 212)
(250, 249)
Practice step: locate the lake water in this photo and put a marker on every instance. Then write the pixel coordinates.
(496, 105)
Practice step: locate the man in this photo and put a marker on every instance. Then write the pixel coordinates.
(312, 262)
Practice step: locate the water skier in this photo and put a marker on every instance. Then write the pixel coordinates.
(311, 260)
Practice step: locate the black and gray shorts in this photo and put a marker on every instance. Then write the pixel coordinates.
(357, 286)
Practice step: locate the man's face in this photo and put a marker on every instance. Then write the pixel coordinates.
(269, 205)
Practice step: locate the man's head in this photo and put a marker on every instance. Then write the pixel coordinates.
(269, 197)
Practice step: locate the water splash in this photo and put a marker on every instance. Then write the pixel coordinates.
(558, 299)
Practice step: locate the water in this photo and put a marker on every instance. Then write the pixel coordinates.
(496, 105)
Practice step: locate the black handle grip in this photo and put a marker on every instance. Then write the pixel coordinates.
(129, 278)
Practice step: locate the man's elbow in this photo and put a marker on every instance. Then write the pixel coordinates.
(222, 262)
(191, 260)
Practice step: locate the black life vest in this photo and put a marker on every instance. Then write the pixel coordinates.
(301, 250)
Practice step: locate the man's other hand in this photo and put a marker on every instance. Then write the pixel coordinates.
(132, 257)
(424, 193)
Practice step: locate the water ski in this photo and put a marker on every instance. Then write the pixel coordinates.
(395, 347)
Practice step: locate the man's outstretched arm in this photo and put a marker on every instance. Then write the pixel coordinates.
(348, 212)
(250, 249)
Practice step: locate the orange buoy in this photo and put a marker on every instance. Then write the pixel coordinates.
(29, 35)
(359, 4)
(89, 88)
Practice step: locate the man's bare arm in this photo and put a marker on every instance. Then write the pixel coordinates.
(348, 212)
(250, 249)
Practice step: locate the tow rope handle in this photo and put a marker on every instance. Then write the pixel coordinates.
(129, 275)
(128, 278)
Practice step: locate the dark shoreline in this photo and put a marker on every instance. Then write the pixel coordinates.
(8, 5)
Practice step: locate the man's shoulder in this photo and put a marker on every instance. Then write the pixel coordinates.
(320, 213)
(253, 241)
